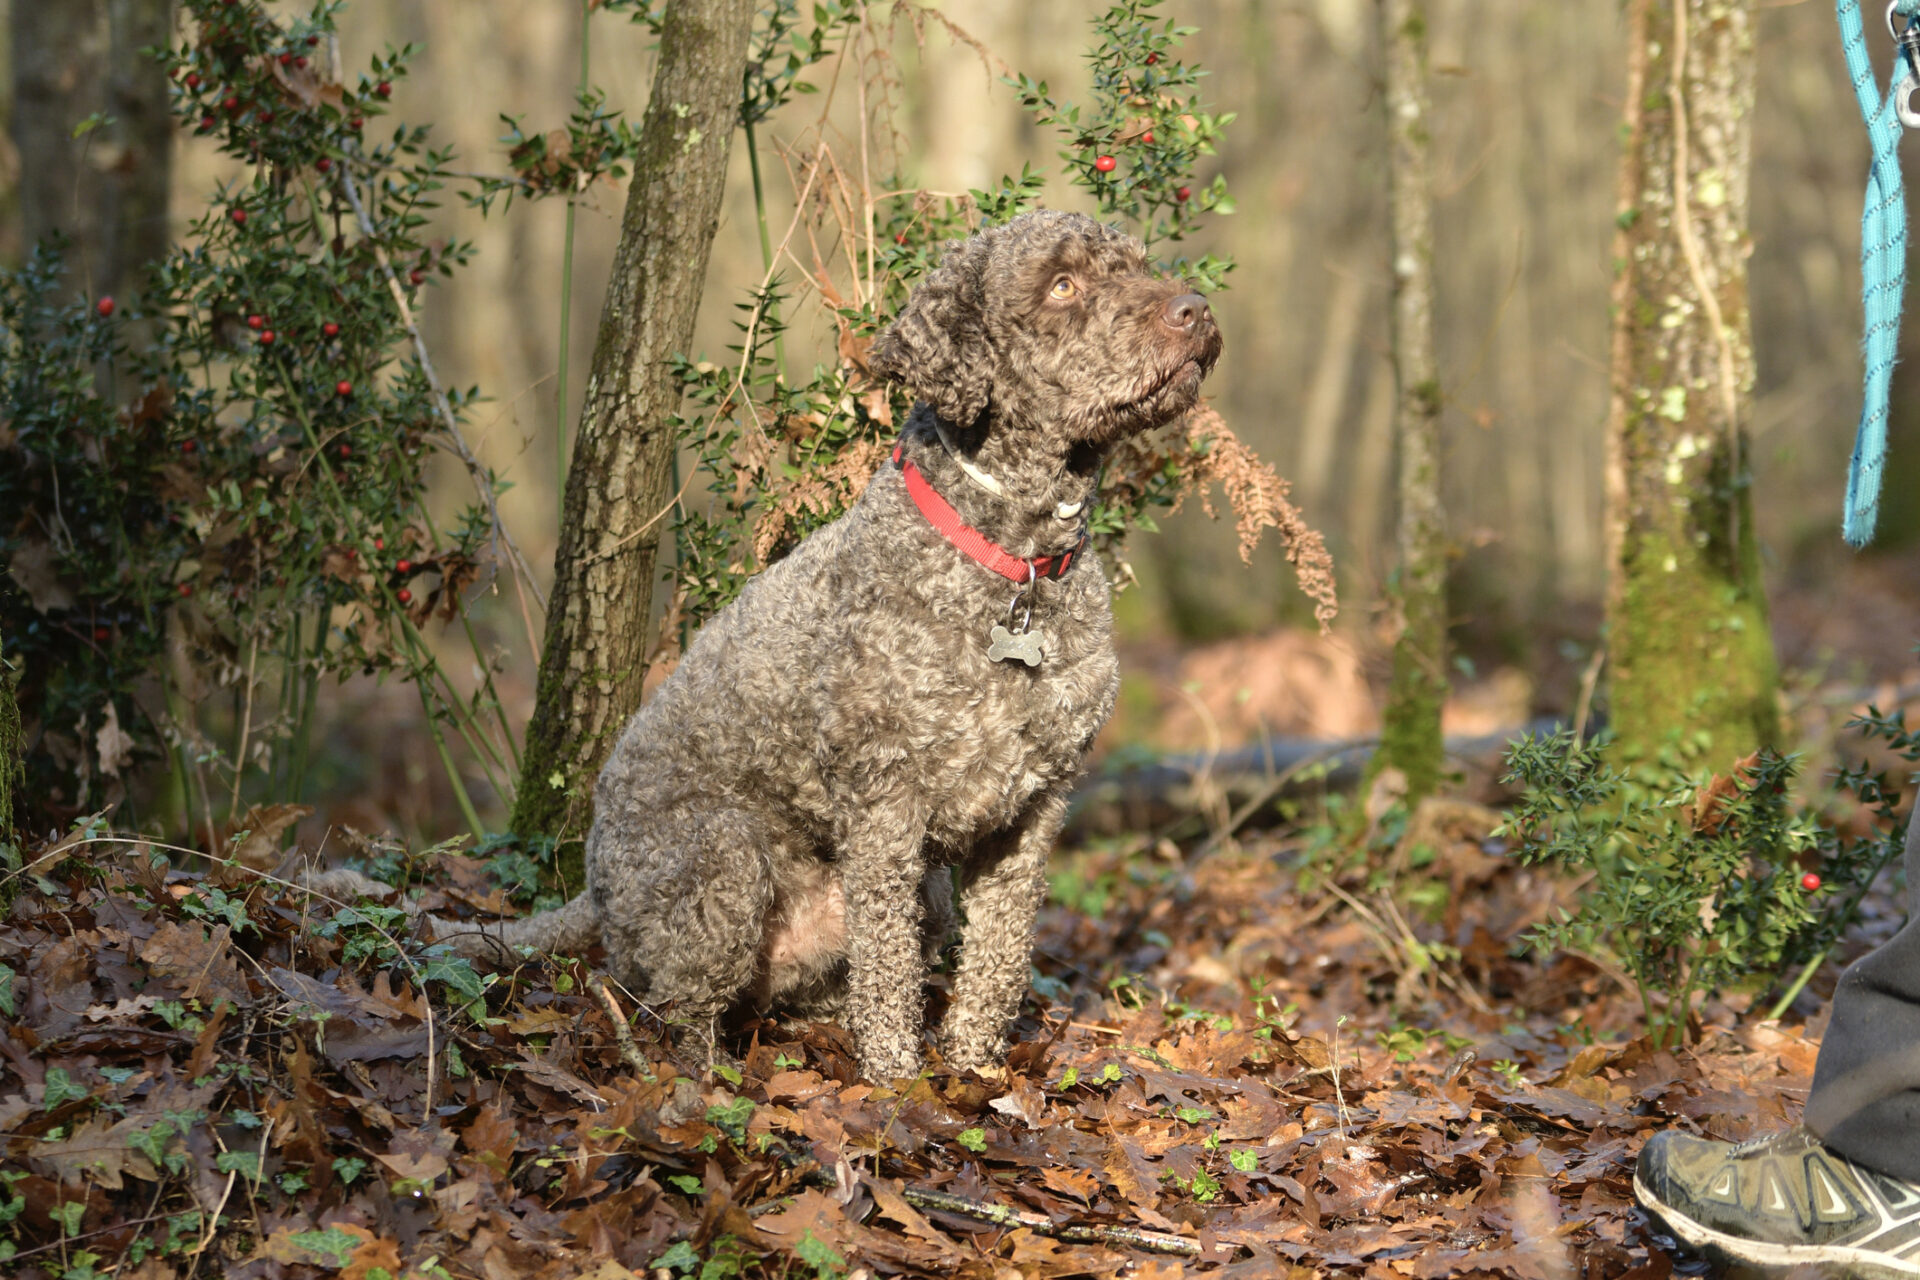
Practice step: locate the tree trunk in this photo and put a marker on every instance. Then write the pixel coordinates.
(1692, 658)
(106, 190)
(10, 742)
(1410, 731)
(617, 485)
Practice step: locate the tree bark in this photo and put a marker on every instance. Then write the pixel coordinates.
(11, 773)
(1692, 658)
(617, 485)
(106, 191)
(1410, 738)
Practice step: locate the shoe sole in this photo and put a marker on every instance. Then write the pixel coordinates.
(1866, 1264)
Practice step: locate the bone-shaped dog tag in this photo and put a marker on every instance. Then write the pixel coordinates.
(1006, 646)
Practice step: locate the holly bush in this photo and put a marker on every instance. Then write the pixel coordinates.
(1701, 886)
(229, 469)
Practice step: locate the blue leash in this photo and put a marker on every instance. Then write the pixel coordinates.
(1883, 247)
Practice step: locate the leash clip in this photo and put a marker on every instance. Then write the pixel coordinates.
(1907, 46)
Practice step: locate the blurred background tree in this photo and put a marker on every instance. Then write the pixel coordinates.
(1410, 737)
(90, 123)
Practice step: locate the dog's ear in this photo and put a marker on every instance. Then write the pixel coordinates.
(937, 346)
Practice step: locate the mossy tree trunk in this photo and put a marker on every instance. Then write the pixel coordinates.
(1692, 658)
(1410, 739)
(617, 484)
(10, 744)
(106, 191)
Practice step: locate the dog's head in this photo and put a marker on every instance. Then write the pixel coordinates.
(1055, 320)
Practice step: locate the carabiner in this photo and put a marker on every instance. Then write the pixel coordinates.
(1907, 46)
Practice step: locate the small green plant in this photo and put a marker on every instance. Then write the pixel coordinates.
(1699, 885)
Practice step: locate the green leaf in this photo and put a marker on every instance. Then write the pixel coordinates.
(245, 1163)
(974, 1140)
(687, 1183)
(61, 1088)
(680, 1257)
(333, 1244)
(820, 1256)
(6, 990)
(1244, 1159)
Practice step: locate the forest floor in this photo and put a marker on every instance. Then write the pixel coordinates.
(1234, 1064)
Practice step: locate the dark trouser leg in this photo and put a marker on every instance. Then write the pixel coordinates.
(1865, 1102)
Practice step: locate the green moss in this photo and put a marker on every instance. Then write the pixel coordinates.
(1410, 737)
(1693, 664)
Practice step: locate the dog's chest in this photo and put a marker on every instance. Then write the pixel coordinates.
(1002, 731)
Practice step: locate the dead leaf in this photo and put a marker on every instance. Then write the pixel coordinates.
(254, 840)
(114, 744)
(197, 960)
(32, 567)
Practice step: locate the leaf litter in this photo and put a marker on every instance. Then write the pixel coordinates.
(1226, 1068)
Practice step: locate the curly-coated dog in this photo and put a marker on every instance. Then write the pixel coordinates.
(911, 691)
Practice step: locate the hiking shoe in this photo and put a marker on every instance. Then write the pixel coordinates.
(1781, 1202)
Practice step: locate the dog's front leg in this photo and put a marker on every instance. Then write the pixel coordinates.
(999, 901)
(882, 865)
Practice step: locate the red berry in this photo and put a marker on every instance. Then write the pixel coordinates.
(256, 322)
(901, 238)
(186, 589)
(1810, 881)
(188, 446)
(404, 596)
(403, 566)
(355, 123)
(384, 89)
(286, 59)
(1105, 164)
(1147, 137)
(346, 451)
(415, 276)
(266, 339)
(332, 330)
(230, 102)
(351, 553)
(379, 544)
(239, 217)
(104, 306)
(101, 635)
(193, 80)
(323, 164)
(206, 124)
(1182, 194)
(312, 40)
(344, 387)
(266, 117)
(300, 63)
(1152, 58)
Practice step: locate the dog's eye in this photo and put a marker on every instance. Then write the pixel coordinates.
(1063, 287)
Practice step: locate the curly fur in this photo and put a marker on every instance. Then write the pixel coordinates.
(781, 823)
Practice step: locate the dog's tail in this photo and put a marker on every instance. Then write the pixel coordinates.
(569, 929)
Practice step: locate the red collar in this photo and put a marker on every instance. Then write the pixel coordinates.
(941, 515)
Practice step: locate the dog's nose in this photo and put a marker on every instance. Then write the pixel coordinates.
(1186, 311)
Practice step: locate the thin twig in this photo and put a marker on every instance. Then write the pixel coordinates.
(622, 1029)
(1041, 1225)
